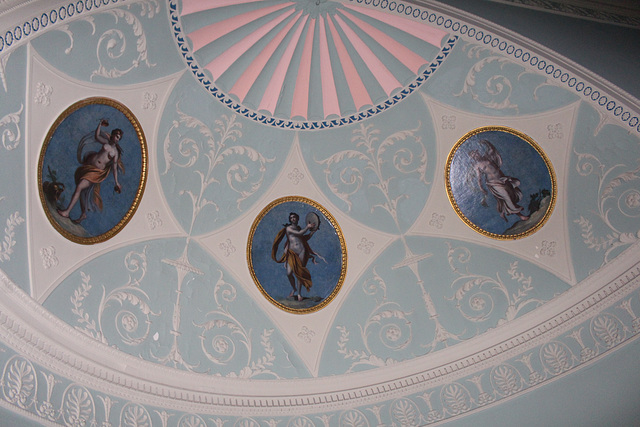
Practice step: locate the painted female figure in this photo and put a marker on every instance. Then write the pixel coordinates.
(297, 253)
(95, 168)
(504, 188)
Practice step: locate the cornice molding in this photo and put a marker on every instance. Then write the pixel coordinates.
(46, 340)
(617, 13)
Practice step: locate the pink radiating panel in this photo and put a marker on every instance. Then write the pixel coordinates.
(231, 55)
(358, 91)
(300, 104)
(271, 94)
(417, 29)
(194, 6)
(330, 102)
(382, 74)
(212, 32)
(248, 78)
(409, 58)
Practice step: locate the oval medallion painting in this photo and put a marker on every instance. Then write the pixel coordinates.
(92, 170)
(297, 255)
(500, 182)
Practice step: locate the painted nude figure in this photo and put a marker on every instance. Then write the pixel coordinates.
(297, 253)
(504, 188)
(95, 168)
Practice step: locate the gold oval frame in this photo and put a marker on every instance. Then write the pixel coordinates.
(143, 169)
(343, 258)
(540, 152)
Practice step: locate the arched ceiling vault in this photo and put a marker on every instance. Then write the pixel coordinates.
(467, 199)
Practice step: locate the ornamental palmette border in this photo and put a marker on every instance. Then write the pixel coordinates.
(21, 321)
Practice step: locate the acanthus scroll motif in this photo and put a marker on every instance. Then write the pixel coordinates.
(244, 176)
(386, 331)
(112, 45)
(345, 170)
(618, 205)
(477, 296)
(10, 127)
(127, 306)
(497, 72)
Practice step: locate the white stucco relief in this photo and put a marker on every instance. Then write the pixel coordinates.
(65, 92)
(557, 150)
(357, 261)
(66, 352)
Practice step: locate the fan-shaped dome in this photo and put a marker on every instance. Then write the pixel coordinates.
(341, 58)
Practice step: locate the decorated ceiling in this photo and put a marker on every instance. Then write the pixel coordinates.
(328, 213)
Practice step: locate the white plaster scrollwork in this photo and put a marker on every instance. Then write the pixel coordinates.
(448, 122)
(437, 220)
(548, 248)
(149, 8)
(10, 127)
(408, 156)
(498, 87)
(240, 177)
(617, 201)
(49, 258)
(154, 220)
(555, 131)
(306, 334)
(65, 29)
(295, 176)
(3, 77)
(631, 201)
(43, 94)
(126, 307)
(497, 73)
(59, 350)
(149, 101)
(477, 296)
(365, 245)
(227, 247)
(114, 45)
(9, 236)
(366, 165)
(386, 330)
